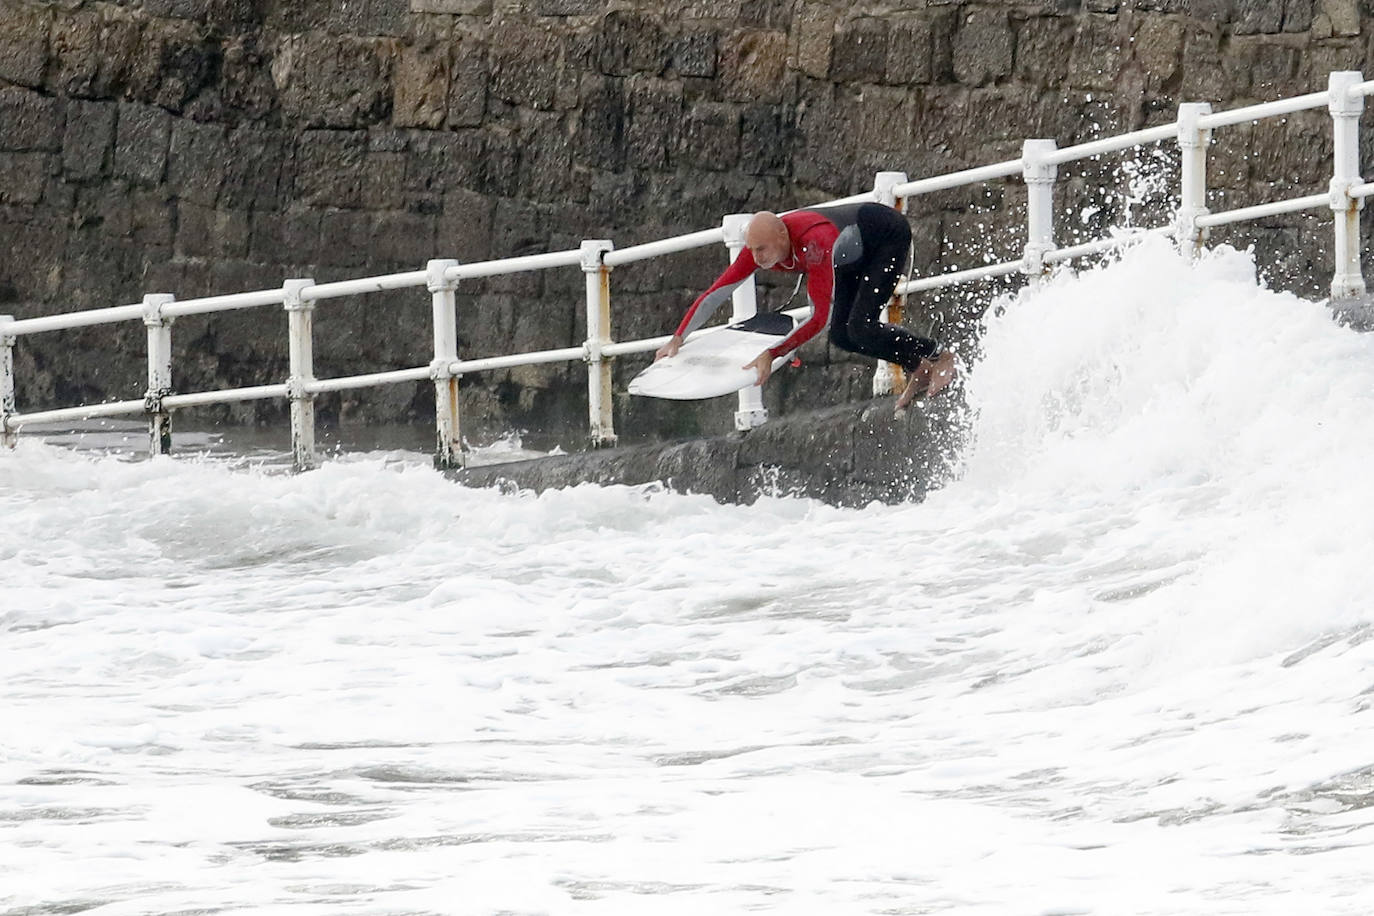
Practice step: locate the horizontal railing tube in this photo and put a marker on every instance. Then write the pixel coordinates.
(954, 278)
(370, 380)
(1310, 202)
(226, 396)
(209, 304)
(365, 285)
(1266, 110)
(465, 366)
(958, 179)
(513, 265)
(68, 320)
(702, 239)
(84, 412)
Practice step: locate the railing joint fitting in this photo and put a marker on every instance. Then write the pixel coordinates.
(292, 298)
(153, 304)
(436, 275)
(593, 253)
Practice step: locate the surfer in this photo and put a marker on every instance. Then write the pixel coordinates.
(852, 256)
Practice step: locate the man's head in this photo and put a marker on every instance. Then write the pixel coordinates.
(767, 239)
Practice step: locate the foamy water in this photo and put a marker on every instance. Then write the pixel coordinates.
(1121, 665)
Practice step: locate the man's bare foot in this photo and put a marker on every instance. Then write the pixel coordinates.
(918, 380)
(941, 374)
(929, 378)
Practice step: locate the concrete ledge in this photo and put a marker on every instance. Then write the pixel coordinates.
(847, 456)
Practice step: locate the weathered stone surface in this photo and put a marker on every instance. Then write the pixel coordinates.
(421, 82)
(88, 140)
(752, 64)
(31, 121)
(331, 173)
(328, 81)
(141, 140)
(911, 53)
(23, 43)
(860, 51)
(848, 455)
(526, 66)
(983, 47)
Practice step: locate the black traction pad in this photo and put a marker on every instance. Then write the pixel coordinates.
(775, 323)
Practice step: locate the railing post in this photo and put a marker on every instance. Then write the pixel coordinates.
(448, 451)
(1347, 281)
(600, 403)
(1192, 141)
(1039, 176)
(750, 411)
(9, 438)
(159, 372)
(300, 316)
(888, 377)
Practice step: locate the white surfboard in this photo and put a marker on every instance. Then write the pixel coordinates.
(708, 365)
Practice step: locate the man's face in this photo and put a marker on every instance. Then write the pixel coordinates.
(768, 252)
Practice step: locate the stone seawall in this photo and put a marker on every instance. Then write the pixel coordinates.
(212, 147)
(848, 455)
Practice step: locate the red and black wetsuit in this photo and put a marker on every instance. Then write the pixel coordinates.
(852, 255)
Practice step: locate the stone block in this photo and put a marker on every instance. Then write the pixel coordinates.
(331, 168)
(467, 96)
(88, 140)
(30, 121)
(526, 66)
(653, 125)
(1343, 15)
(753, 63)
(860, 52)
(1158, 50)
(630, 42)
(545, 165)
(455, 7)
(437, 163)
(693, 53)
(910, 52)
(1040, 44)
(203, 232)
(329, 81)
(245, 78)
(289, 236)
(142, 136)
(1250, 17)
(23, 43)
(401, 240)
(421, 86)
(601, 125)
(256, 168)
(983, 47)
(1298, 15)
(499, 166)
(464, 227)
(1098, 54)
(1203, 77)
(23, 177)
(815, 33)
(710, 137)
(384, 180)
(174, 62)
(195, 162)
(766, 140)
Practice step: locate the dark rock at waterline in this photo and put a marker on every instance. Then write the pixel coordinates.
(847, 456)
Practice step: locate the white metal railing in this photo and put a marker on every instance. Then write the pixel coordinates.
(596, 258)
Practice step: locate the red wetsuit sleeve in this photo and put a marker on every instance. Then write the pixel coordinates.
(743, 267)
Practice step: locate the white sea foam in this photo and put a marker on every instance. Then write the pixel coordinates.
(1119, 665)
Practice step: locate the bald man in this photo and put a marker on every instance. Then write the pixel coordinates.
(852, 256)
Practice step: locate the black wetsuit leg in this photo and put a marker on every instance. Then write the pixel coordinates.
(864, 287)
